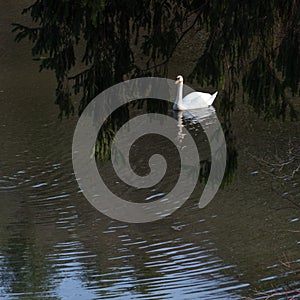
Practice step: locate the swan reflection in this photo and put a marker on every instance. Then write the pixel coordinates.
(211, 170)
(203, 116)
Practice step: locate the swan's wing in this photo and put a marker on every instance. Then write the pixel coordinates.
(196, 100)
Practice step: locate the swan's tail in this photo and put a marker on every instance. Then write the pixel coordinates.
(212, 98)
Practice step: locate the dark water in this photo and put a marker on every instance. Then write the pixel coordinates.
(55, 245)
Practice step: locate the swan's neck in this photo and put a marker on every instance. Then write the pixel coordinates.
(178, 101)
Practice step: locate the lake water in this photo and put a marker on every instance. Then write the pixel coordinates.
(55, 245)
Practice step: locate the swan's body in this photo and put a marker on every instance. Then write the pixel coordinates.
(193, 100)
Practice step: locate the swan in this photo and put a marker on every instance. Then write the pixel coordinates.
(193, 100)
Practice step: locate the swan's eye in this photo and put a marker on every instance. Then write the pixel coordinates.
(177, 78)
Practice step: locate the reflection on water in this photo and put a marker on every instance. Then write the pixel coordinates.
(207, 120)
(54, 245)
(195, 117)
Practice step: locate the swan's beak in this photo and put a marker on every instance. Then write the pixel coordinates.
(177, 81)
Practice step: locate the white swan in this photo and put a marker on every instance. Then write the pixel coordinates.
(193, 100)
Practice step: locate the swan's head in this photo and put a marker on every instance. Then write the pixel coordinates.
(179, 78)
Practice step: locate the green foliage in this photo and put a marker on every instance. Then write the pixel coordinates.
(288, 60)
(105, 30)
(258, 41)
(264, 88)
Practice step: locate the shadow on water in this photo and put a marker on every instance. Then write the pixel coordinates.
(54, 245)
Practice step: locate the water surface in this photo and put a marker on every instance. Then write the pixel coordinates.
(55, 245)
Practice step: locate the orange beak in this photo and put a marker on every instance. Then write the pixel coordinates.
(177, 81)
